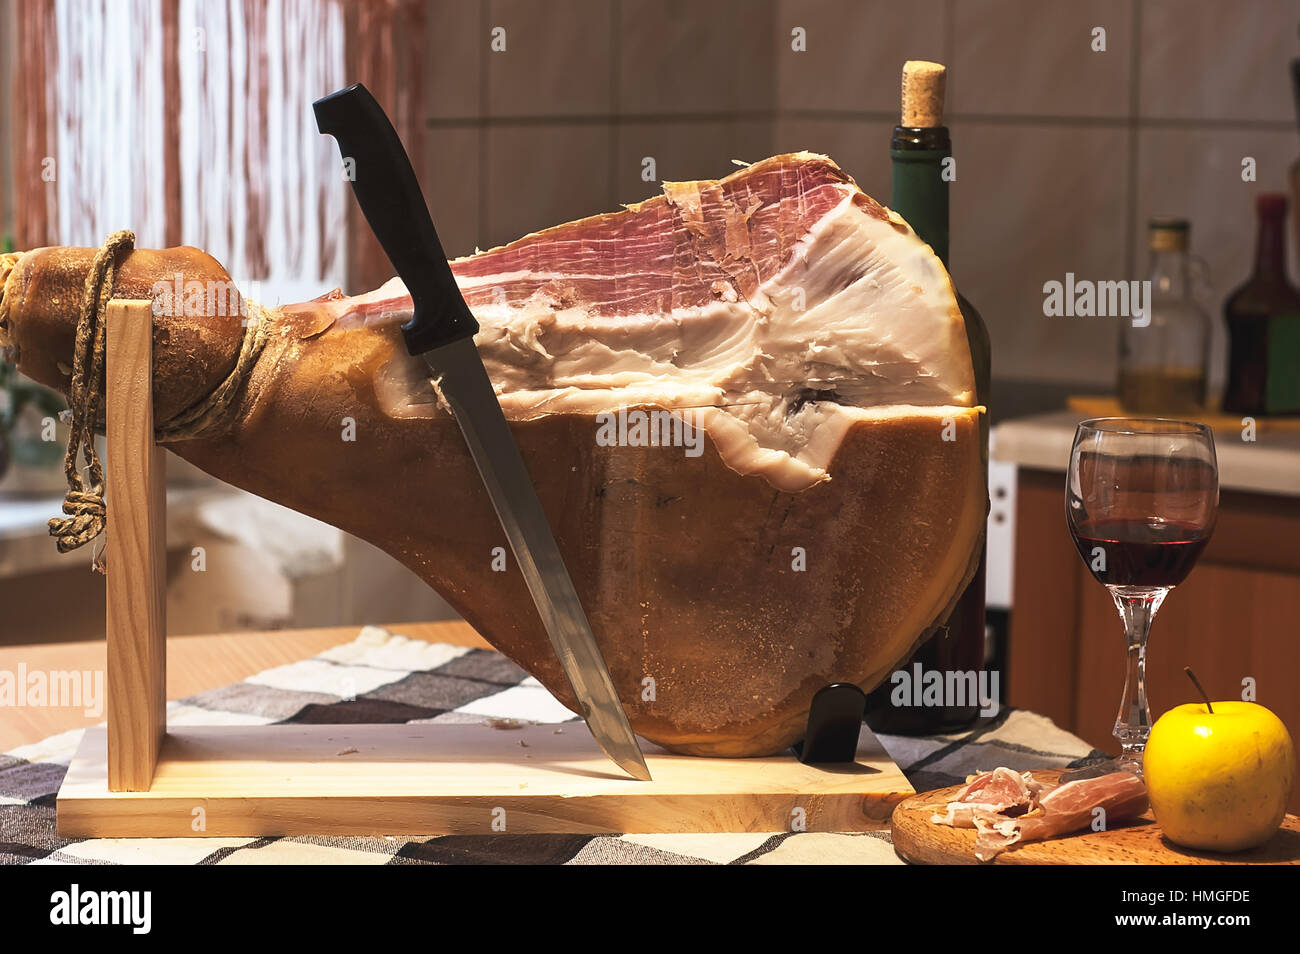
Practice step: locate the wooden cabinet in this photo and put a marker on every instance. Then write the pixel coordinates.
(1237, 616)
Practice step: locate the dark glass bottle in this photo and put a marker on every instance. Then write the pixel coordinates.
(1263, 318)
(920, 195)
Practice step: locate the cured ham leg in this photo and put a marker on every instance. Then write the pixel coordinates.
(821, 526)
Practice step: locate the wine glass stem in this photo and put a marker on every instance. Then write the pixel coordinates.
(1137, 608)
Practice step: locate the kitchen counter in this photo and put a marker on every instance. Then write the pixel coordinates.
(1268, 465)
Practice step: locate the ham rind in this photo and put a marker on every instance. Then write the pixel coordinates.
(1066, 808)
(1001, 791)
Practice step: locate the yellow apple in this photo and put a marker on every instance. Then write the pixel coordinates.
(1219, 781)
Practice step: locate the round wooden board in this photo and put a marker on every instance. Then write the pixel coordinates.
(920, 841)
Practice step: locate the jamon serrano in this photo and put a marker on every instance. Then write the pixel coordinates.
(1064, 809)
(1002, 791)
(826, 524)
(1009, 808)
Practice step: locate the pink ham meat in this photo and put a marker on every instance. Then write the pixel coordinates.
(1063, 809)
(695, 244)
(1000, 791)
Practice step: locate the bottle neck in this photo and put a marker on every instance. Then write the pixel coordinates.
(920, 188)
(1169, 274)
(1270, 249)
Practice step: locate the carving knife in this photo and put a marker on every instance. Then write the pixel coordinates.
(441, 331)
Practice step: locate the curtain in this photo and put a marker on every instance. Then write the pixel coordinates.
(190, 122)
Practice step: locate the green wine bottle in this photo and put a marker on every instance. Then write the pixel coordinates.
(921, 154)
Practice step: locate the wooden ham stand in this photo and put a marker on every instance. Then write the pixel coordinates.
(140, 778)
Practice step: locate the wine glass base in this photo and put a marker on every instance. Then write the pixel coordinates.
(1130, 762)
(1133, 745)
(1125, 762)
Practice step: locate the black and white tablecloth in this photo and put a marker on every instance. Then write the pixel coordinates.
(384, 677)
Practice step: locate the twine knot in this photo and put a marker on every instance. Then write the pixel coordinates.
(85, 521)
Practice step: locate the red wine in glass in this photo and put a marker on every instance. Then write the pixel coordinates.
(1136, 552)
(1141, 499)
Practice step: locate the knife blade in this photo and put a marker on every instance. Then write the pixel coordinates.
(441, 332)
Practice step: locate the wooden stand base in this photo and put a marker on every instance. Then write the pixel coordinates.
(460, 779)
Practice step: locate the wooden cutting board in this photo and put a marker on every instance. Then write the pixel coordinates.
(920, 841)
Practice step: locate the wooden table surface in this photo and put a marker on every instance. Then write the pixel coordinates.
(194, 664)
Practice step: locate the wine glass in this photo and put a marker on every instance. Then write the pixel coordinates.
(1141, 498)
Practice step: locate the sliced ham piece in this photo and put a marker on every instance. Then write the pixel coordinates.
(1064, 809)
(1000, 791)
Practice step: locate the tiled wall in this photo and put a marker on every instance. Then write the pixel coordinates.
(557, 125)
(1063, 152)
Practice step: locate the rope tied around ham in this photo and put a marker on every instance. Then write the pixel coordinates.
(210, 411)
(84, 504)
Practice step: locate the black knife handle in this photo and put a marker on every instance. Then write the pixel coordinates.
(390, 197)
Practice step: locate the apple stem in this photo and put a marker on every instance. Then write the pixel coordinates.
(1199, 688)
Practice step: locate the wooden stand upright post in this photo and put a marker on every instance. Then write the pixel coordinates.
(136, 552)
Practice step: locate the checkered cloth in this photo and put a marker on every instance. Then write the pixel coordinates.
(381, 677)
